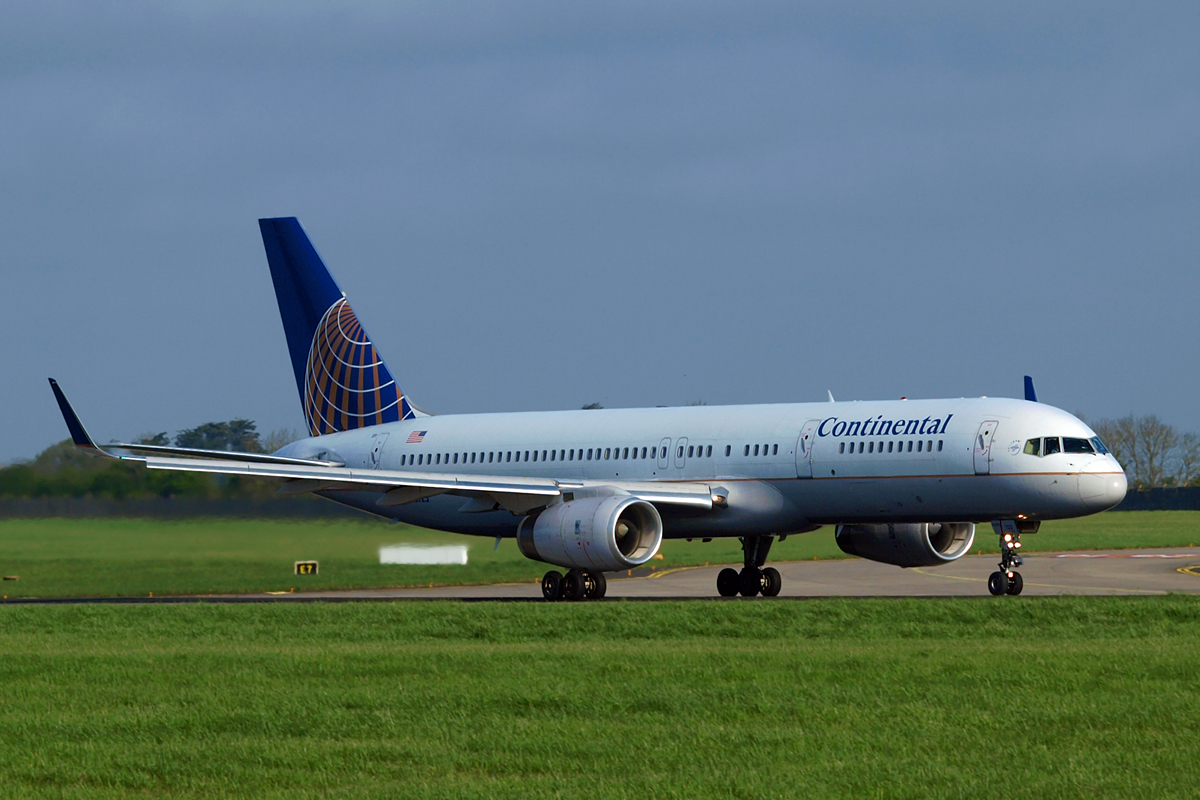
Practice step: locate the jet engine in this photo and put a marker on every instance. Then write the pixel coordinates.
(593, 533)
(923, 544)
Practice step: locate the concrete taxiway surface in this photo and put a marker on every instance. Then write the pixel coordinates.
(1120, 572)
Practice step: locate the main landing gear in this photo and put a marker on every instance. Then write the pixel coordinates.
(577, 584)
(1007, 580)
(754, 578)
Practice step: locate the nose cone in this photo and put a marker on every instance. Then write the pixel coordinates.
(1102, 484)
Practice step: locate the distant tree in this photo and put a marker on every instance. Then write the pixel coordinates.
(278, 438)
(698, 403)
(157, 439)
(236, 434)
(1152, 452)
(592, 406)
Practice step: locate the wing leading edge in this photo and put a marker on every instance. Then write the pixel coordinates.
(513, 493)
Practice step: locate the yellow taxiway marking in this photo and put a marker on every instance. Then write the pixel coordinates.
(669, 572)
(1193, 570)
(1048, 585)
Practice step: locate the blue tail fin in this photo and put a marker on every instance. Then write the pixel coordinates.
(342, 380)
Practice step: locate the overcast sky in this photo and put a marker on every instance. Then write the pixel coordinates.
(537, 205)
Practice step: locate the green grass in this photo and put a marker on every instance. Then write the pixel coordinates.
(1028, 698)
(131, 557)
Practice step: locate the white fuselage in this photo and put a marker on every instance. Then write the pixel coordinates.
(784, 468)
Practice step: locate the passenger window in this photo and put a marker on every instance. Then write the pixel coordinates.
(890, 446)
(643, 452)
(679, 452)
(1051, 446)
(929, 446)
(589, 454)
(755, 449)
(939, 445)
(919, 446)
(625, 453)
(910, 446)
(842, 449)
(653, 452)
(1076, 445)
(774, 449)
(747, 450)
(727, 449)
(708, 451)
(607, 453)
(691, 450)
(562, 454)
(870, 447)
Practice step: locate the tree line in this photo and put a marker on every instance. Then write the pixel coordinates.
(1153, 453)
(63, 470)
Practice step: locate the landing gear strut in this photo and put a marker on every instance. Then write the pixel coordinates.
(1007, 580)
(577, 584)
(753, 579)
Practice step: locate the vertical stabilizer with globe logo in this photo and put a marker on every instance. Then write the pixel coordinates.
(342, 379)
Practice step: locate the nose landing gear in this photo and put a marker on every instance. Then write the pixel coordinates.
(1007, 580)
(754, 578)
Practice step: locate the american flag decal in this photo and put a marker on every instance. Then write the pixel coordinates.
(416, 437)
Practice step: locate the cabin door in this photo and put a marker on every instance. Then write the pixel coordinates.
(983, 447)
(804, 445)
(377, 450)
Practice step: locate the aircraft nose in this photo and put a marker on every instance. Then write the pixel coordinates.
(1102, 484)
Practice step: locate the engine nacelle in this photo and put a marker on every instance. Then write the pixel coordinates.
(598, 533)
(923, 544)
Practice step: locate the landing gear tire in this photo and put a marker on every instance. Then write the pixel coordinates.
(772, 582)
(1007, 580)
(727, 582)
(552, 585)
(750, 581)
(597, 585)
(574, 586)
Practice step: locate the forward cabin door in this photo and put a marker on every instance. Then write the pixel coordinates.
(983, 447)
(804, 445)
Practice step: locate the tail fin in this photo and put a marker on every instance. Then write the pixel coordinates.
(342, 380)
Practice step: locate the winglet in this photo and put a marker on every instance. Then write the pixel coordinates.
(78, 434)
(1030, 394)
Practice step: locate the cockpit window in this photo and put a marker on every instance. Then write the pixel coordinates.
(1077, 445)
(1033, 447)
(1099, 445)
(1051, 446)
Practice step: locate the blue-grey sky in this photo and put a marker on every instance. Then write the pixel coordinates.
(541, 205)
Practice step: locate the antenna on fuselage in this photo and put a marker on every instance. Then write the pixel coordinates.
(1030, 394)
(830, 396)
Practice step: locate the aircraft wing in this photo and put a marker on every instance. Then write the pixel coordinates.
(483, 492)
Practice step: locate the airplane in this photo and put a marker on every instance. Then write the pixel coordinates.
(903, 482)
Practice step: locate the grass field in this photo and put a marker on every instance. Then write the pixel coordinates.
(59, 557)
(1036, 698)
